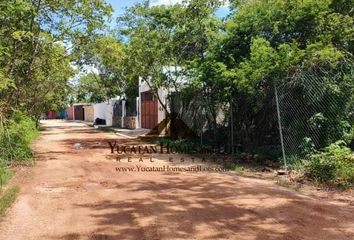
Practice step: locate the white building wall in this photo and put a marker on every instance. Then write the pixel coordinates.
(104, 111)
(99, 110)
(109, 113)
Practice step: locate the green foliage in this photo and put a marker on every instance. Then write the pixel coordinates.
(5, 175)
(108, 56)
(238, 61)
(273, 42)
(317, 108)
(15, 138)
(321, 169)
(89, 89)
(349, 138)
(335, 164)
(39, 41)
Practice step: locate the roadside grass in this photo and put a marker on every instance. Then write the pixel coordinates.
(109, 130)
(16, 135)
(332, 167)
(7, 198)
(105, 129)
(5, 175)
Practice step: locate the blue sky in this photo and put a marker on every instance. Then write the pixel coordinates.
(120, 5)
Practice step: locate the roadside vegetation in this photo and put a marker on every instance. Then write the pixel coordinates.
(7, 198)
(15, 141)
(333, 166)
(39, 45)
(15, 138)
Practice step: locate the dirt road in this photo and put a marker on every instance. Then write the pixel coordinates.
(76, 191)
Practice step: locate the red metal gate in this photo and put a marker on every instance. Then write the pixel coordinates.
(148, 110)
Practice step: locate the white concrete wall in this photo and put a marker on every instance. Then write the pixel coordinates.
(104, 111)
(109, 112)
(99, 110)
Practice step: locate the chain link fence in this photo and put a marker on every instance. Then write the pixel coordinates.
(315, 109)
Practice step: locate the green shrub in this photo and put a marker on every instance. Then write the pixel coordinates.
(15, 136)
(349, 138)
(334, 164)
(321, 169)
(297, 165)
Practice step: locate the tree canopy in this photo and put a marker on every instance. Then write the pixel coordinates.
(39, 41)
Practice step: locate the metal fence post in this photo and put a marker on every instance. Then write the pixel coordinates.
(280, 125)
(232, 127)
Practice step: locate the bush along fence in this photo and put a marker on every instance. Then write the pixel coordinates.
(316, 115)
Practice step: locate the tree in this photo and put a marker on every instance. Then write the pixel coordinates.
(39, 39)
(269, 42)
(104, 63)
(165, 39)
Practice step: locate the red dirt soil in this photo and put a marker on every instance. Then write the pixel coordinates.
(75, 192)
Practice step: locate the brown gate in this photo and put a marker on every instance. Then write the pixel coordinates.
(79, 112)
(148, 110)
